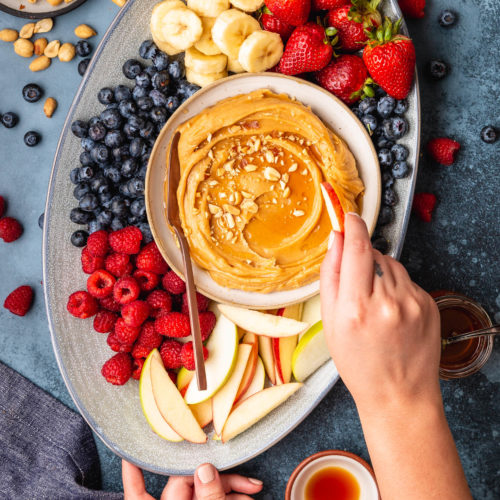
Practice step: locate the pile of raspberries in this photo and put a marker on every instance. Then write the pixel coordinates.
(138, 302)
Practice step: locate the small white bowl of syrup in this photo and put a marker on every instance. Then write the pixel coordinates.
(332, 475)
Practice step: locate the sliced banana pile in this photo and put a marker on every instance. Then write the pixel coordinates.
(215, 37)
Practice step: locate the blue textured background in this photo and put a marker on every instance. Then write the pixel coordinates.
(459, 250)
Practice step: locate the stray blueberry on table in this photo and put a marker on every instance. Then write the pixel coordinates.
(489, 134)
(385, 158)
(82, 66)
(106, 96)
(399, 152)
(32, 138)
(401, 107)
(438, 69)
(161, 61)
(132, 68)
(370, 122)
(41, 220)
(79, 238)
(10, 119)
(32, 92)
(122, 92)
(385, 106)
(384, 216)
(400, 169)
(148, 49)
(447, 18)
(83, 48)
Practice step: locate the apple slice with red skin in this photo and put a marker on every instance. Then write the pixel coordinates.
(250, 339)
(333, 207)
(266, 354)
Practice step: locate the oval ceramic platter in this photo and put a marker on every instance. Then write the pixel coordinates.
(39, 9)
(114, 413)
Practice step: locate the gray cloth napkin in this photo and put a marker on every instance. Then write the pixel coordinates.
(47, 451)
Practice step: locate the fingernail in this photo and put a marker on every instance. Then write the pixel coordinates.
(258, 482)
(354, 213)
(206, 474)
(331, 240)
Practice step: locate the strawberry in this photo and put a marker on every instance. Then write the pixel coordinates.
(390, 59)
(19, 301)
(412, 8)
(443, 150)
(10, 229)
(170, 352)
(346, 77)
(118, 369)
(276, 25)
(97, 243)
(150, 259)
(82, 305)
(2, 206)
(173, 324)
(307, 49)
(328, 4)
(294, 12)
(126, 240)
(187, 355)
(135, 313)
(90, 263)
(423, 205)
(351, 21)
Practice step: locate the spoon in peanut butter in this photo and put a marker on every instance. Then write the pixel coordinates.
(174, 174)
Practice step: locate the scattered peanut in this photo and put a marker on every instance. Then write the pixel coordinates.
(7, 35)
(40, 63)
(49, 107)
(32, 1)
(52, 49)
(27, 30)
(120, 3)
(44, 25)
(67, 52)
(84, 31)
(40, 45)
(23, 47)
(55, 2)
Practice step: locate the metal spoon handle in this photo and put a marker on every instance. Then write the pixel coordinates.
(489, 331)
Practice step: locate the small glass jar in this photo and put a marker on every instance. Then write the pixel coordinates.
(459, 314)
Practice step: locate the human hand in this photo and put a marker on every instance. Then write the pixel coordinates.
(206, 484)
(382, 330)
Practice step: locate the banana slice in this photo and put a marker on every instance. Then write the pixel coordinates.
(203, 80)
(205, 44)
(208, 8)
(181, 28)
(260, 51)
(247, 5)
(201, 63)
(159, 12)
(164, 46)
(230, 30)
(234, 66)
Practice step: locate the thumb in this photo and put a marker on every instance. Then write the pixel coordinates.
(207, 483)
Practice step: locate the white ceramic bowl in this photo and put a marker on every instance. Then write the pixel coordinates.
(334, 113)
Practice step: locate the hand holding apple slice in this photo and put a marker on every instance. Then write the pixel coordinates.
(333, 206)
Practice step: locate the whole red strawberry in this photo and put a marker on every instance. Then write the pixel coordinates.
(412, 8)
(294, 12)
(423, 205)
(307, 49)
(126, 240)
(2, 206)
(328, 4)
(19, 301)
(118, 369)
(345, 77)
(150, 259)
(97, 243)
(276, 25)
(443, 150)
(351, 21)
(390, 59)
(10, 229)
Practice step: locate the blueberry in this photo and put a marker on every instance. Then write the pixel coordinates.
(82, 66)
(136, 186)
(438, 69)
(151, 71)
(176, 70)
(9, 119)
(105, 199)
(401, 107)
(400, 169)
(95, 226)
(385, 106)
(85, 173)
(32, 92)
(385, 158)
(132, 68)
(32, 138)
(186, 89)
(447, 18)
(87, 144)
(489, 134)
(127, 108)
(382, 143)
(114, 139)
(387, 179)
(148, 49)
(85, 158)
(379, 92)
(368, 105)
(123, 190)
(173, 103)
(384, 216)
(97, 131)
(97, 182)
(389, 197)
(380, 244)
(118, 207)
(74, 175)
(130, 132)
(78, 216)
(143, 80)
(160, 80)
(370, 122)
(394, 128)
(105, 217)
(128, 168)
(88, 202)
(147, 237)
(117, 224)
(122, 92)
(149, 130)
(138, 208)
(160, 61)
(141, 173)
(94, 120)
(80, 128)
(145, 103)
(139, 92)
(120, 153)
(79, 238)
(357, 112)
(111, 118)
(113, 174)
(41, 220)
(113, 105)
(83, 48)
(136, 147)
(100, 153)
(136, 123)
(399, 152)
(158, 115)
(81, 189)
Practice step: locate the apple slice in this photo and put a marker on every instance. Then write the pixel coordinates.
(311, 312)
(184, 378)
(223, 400)
(257, 383)
(310, 353)
(256, 407)
(222, 348)
(149, 407)
(333, 206)
(202, 412)
(172, 406)
(252, 340)
(266, 353)
(262, 323)
(277, 375)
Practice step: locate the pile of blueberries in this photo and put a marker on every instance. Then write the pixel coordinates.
(117, 143)
(383, 117)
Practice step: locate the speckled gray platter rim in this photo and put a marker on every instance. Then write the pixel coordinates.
(325, 377)
(51, 12)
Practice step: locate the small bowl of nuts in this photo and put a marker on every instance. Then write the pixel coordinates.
(38, 9)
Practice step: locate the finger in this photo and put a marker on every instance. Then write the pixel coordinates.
(178, 488)
(330, 268)
(238, 496)
(133, 482)
(383, 278)
(356, 274)
(242, 484)
(401, 276)
(207, 483)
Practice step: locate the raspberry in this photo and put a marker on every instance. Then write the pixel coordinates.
(201, 300)
(91, 263)
(150, 259)
(135, 313)
(187, 355)
(117, 264)
(126, 334)
(2, 206)
(118, 369)
(141, 351)
(126, 290)
(104, 321)
(207, 323)
(443, 150)
(423, 205)
(149, 336)
(19, 301)
(100, 284)
(170, 352)
(110, 304)
(97, 244)
(137, 368)
(147, 280)
(173, 376)
(173, 284)
(10, 229)
(159, 300)
(173, 324)
(126, 240)
(116, 345)
(82, 305)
